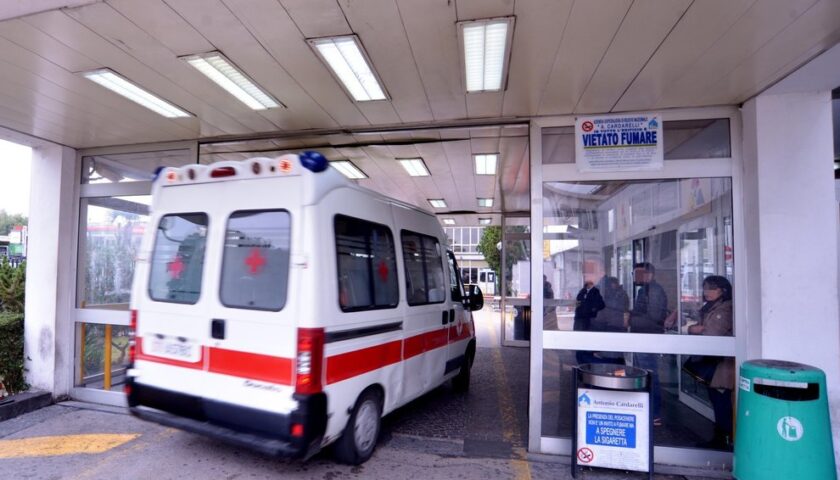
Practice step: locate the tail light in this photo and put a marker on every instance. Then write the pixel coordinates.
(132, 333)
(309, 361)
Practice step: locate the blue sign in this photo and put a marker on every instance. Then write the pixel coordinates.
(611, 429)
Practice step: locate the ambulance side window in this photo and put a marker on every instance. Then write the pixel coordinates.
(424, 279)
(178, 258)
(455, 279)
(255, 266)
(367, 265)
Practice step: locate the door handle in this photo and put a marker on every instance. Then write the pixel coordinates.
(217, 328)
(445, 317)
(451, 315)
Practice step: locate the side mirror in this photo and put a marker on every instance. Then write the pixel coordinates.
(475, 299)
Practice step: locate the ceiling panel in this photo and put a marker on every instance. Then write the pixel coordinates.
(24, 71)
(75, 35)
(203, 98)
(477, 9)
(812, 33)
(431, 33)
(380, 29)
(702, 25)
(161, 22)
(34, 40)
(279, 34)
(647, 24)
(752, 31)
(540, 25)
(318, 18)
(220, 26)
(581, 51)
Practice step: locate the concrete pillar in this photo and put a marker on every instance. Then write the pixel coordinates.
(49, 326)
(792, 234)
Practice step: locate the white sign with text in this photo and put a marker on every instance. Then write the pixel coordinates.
(613, 429)
(619, 143)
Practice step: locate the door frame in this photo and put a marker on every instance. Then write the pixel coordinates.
(677, 344)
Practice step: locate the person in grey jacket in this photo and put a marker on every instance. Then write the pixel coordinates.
(648, 316)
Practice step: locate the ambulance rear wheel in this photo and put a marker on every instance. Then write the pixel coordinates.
(358, 441)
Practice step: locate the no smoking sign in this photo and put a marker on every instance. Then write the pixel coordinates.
(585, 455)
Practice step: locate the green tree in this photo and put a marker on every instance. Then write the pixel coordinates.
(9, 220)
(489, 244)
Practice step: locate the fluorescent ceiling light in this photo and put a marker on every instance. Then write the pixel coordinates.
(485, 164)
(486, 50)
(437, 202)
(120, 85)
(485, 202)
(347, 168)
(485, 221)
(414, 166)
(349, 63)
(449, 221)
(219, 69)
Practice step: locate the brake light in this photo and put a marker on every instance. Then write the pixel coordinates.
(222, 172)
(132, 333)
(310, 359)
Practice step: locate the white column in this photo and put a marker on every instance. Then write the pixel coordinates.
(792, 234)
(49, 327)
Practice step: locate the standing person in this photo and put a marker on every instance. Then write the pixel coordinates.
(549, 312)
(716, 319)
(609, 317)
(589, 303)
(648, 316)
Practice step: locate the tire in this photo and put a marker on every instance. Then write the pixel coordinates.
(356, 444)
(461, 382)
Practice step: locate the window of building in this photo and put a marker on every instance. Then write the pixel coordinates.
(255, 267)
(424, 280)
(367, 267)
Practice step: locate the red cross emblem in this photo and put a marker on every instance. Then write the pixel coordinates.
(175, 267)
(383, 270)
(255, 260)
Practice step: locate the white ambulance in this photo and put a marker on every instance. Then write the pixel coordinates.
(278, 306)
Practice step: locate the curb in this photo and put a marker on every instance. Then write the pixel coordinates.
(25, 402)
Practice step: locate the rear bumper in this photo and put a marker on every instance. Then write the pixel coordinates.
(258, 430)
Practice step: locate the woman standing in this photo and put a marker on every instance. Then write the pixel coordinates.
(716, 319)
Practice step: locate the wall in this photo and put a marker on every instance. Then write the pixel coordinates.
(49, 329)
(791, 224)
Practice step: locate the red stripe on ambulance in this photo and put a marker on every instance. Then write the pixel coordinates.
(351, 364)
(424, 342)
(253, 366)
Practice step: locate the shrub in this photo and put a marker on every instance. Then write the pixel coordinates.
(12, 286)
(11, 351)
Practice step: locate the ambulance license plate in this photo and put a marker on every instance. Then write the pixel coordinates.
(177, 348)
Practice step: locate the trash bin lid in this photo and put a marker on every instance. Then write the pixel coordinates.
(613, 377)
(781, 370)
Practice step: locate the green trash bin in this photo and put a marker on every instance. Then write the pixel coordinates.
(783, 426)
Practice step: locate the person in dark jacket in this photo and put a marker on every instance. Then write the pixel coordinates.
(589, 303)
(609, 314)
(648, 316)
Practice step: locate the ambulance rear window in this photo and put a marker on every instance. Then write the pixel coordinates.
(178, 258)
(255, 267)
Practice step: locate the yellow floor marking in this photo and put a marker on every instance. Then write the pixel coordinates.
(63, 445)
(509, 416)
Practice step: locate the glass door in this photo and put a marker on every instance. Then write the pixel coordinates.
(516, 289)
(632, 257)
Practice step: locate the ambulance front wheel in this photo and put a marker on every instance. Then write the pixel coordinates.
(461, 382)
(358, 441)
